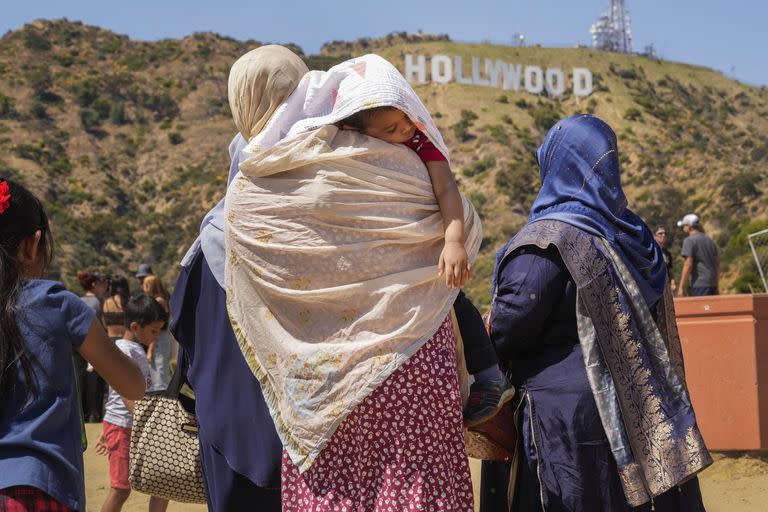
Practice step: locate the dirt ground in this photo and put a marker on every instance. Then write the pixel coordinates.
(734, 483)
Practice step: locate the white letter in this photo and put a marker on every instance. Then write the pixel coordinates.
(442, 62)
(460, 79)
(555, 82)
(534, 87)
(512, 73)
(582, 82)
(493, 70)
(476, 73)
(419, 68)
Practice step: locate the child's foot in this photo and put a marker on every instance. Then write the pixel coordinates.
(486, 399)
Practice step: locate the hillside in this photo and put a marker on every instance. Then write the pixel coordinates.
(126, 140)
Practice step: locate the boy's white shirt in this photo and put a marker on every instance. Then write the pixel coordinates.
(115, 411)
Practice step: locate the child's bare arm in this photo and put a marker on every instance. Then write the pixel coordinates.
(129, 404)
(454, 261)
(116, 368)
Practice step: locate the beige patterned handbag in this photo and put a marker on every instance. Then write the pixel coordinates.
(165, 451)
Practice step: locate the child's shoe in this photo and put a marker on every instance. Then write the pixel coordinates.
(486, 399)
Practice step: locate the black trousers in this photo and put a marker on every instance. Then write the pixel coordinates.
(92, 390)
(479, 351)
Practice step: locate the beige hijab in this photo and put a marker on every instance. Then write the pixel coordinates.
(259, 82)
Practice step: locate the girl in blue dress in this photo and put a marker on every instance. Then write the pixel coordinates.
(41, 324)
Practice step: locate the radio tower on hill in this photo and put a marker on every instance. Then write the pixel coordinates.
(611, 31)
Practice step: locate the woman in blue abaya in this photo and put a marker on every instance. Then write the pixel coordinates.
(240, 450)
(582, 316)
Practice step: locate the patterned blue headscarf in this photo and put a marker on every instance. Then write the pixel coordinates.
(579, 169)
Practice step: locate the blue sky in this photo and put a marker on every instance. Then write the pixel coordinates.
(721, 35)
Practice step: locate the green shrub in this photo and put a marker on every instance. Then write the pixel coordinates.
(136, 61)
(633, 114)
(519, 182)
(478, 199)
(479, 167)
(508, 120)
(39, 79)
(545, 116)
(34, 41)
(502, 99)
(117, 114)
(39, 111)
(498, 133)
(741, 186)
(86, 91)
(175, 138)
(7, 107)
(64, 60)
(90, 120)
(461, 128)
(162, 104)
(102, 107)
(759, 153)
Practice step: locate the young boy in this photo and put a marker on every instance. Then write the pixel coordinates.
(144, 320)
(491, 389)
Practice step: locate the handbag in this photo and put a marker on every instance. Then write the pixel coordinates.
(497, 438)
(165, 451)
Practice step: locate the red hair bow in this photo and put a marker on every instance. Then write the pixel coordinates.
(5, 197)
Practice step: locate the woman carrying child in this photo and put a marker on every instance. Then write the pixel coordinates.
(333, 240)
(41, 324)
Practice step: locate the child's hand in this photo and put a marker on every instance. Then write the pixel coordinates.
(454, 263)
(101, 446)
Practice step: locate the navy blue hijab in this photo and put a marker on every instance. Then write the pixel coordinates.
(579, 169)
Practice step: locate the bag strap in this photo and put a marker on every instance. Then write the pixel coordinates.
(179, 377)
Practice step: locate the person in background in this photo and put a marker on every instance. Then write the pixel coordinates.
(144, 320)
(702, 263)
(91, 385)
(96, 287)
(145, 269)
(41, 324)
(660, 235)
(159, 352)
(113, 307)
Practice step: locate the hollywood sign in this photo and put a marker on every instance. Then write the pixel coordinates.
(497, 73)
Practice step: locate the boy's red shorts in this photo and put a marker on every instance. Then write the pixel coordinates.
(118, 441)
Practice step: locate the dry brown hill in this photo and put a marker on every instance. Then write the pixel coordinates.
(126, 140)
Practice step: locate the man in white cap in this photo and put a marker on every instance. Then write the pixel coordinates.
(701, 259)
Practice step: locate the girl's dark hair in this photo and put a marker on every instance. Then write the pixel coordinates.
(121, 288)
(88, 279)
(22, 215)
(143, 310)
(360, 120)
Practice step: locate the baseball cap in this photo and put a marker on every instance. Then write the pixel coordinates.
(689, 220)
(144, 270)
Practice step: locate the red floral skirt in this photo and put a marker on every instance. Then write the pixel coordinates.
(401, 449)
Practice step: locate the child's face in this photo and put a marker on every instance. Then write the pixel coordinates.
(147, 334)
(392, 126)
